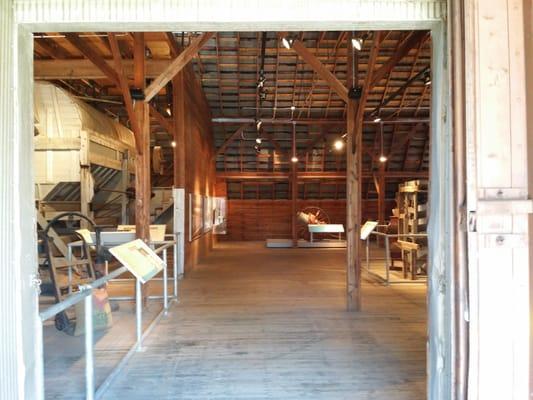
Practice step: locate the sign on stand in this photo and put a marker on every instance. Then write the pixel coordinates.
(139, 259)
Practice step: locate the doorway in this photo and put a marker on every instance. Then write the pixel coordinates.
(440, 158)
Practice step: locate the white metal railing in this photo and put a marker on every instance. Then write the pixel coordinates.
(387, 280)
(85, 294)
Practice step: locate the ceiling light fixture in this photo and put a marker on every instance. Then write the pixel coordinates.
(287, 43)
(169, 111)
(294, 159)
(338, 144)
(427, 78)
(377, 119)
(357, 43)
(258, 140)
(382, 157)
(173, 144)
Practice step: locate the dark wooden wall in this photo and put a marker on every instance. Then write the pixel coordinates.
(262, 219)
(200, 170)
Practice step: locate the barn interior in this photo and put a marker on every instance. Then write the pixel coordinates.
(281, 177)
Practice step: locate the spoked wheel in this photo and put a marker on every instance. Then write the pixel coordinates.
(310, 216)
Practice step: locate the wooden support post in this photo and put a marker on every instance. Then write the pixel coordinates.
(381, 193)
(353, 295)
(294, 189)
(354, 155)
(124, 184)
(179, 116)
(142, 164)
(86, 180)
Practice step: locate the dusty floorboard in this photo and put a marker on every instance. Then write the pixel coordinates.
(256, 323)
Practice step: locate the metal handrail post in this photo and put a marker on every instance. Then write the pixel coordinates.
(165, 282)
(69, 259)
(89, 353)
(175, 272)
(138, 313)
(367, 254)
(387, 259)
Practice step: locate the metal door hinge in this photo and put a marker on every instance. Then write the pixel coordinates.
(472, 221)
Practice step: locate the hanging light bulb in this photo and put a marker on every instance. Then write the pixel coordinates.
(258, 140)
(377, 119)
(427, 79)
(169, 111)
(382, 157)
(338, 144)
(357, 43)
(293, 108)
(173, 144)
(287, 43)
(294, 159)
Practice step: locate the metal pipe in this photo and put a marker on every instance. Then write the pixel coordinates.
(89, 354)
(138, 313)
(387, 260)
(77, 297)
(165, 282)
(69, 258)
(367, 254)
(175, 271)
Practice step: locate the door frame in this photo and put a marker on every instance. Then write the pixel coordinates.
(136, 15)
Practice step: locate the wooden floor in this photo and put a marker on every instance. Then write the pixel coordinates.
(257, 323)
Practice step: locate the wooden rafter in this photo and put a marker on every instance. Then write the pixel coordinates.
(320, 69)
(229, 140)
(125, 89)
(410, 42)
(176, 65)
(94, 57)
(165, 122)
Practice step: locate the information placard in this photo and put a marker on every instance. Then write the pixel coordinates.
(139, 259)
(367, 229)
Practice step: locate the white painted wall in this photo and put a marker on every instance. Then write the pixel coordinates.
(498, 202)
(19, 326)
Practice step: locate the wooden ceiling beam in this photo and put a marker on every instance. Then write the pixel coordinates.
(409, 43)
(237, 175)
(166, 123)
(94, 57)
(310, 121)
(320, 69)
(125, 89)
(229, 140)
(176, 65)
(174, 47)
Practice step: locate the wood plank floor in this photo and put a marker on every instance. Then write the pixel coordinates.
(257, 323)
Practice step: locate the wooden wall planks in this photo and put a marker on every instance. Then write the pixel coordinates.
(262, 219)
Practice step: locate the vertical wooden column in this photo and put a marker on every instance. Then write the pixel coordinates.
(294, 189)
(179, 118)
(381, 193)
(353, 191)
(124, 184)
(142, 162)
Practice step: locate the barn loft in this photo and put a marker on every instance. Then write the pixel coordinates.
(265, 200)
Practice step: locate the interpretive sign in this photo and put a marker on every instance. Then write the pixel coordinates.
(139, 259)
